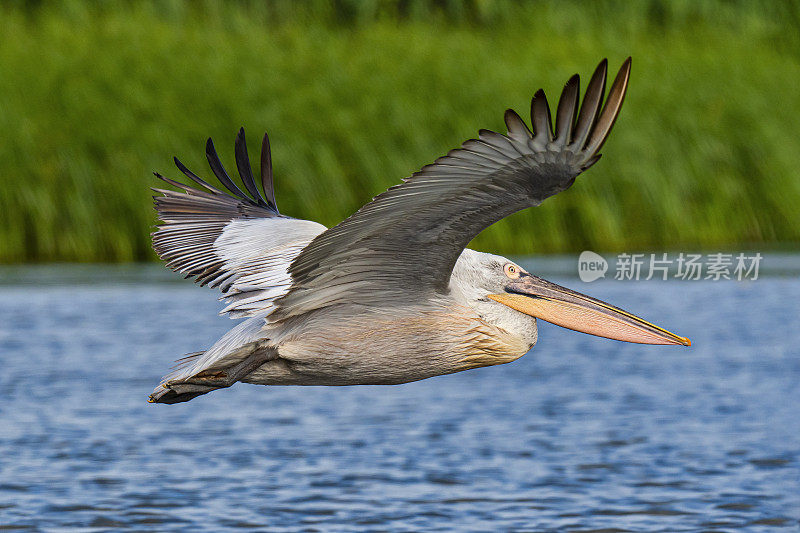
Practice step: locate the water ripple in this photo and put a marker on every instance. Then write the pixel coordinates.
(582, 434)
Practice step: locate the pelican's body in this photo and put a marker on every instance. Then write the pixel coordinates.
(391, 294)
(440, 335)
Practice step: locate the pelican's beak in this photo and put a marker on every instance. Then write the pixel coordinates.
(540, 298)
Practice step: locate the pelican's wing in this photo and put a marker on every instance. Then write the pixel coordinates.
(238, 242)
(407, 239)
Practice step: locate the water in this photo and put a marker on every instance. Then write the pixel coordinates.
(582, 434)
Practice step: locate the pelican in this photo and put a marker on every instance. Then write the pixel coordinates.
(391, 294)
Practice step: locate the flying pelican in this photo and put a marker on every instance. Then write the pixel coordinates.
(390, 295)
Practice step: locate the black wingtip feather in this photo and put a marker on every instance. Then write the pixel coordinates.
(253, 196)
(192, 176)
(266, 173)
(174, 183)
(517, 129)
(540, 116)
(590, 107)
(219, 170)
(611, 108)
(243, 165)
(567, 109)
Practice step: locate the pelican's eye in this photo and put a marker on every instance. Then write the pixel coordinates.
(512, 271)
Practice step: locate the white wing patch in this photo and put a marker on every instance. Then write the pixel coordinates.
(260, 252)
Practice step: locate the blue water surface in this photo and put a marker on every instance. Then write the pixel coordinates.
(581, 434)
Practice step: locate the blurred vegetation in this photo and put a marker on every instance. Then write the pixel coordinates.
(358, 94)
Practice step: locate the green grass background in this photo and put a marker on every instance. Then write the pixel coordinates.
(356, 95)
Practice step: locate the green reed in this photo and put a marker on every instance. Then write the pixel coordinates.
(357, 95)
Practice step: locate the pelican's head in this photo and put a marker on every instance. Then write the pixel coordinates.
(494, 285)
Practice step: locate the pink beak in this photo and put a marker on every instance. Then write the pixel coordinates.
(553, 303)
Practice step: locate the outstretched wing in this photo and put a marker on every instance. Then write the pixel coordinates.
(407, 239)
(238, 242)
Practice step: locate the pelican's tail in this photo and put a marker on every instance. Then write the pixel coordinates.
(238, 353)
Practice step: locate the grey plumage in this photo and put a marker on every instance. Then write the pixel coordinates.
(373, 299)
(412, 234)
